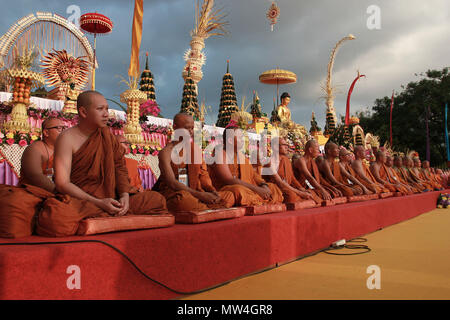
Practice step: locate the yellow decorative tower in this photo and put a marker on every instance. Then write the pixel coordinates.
(24, 78)
(133, 98)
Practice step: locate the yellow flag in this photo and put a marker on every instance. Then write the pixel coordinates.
(133, 70)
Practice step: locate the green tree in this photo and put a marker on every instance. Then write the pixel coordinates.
(409, 116)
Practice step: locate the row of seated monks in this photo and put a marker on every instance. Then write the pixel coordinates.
(91, 177)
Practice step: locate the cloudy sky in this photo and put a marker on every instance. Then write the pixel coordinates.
(413, 38)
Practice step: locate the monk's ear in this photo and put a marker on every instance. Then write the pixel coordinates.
(82, 111)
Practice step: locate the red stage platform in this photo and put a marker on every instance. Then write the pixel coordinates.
(190, 257)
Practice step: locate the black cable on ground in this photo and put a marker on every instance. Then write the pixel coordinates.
(348, 246)
(122, 254)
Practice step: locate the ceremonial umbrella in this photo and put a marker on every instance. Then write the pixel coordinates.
(278, 76)
(95, 23)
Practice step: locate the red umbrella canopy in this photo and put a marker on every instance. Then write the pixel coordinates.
(96, 23)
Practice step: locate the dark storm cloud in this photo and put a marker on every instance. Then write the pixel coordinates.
(412, 39)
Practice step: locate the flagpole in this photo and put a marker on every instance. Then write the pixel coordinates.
(390, 119)
(446, 135)
(428, 133)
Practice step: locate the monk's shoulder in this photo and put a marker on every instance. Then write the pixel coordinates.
(167, 150)
(68, 135)
(36, 147)
(34, 152)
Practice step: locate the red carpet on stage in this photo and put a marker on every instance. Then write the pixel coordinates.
(189, 257)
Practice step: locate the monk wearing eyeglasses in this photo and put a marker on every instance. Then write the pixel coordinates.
(37, 159)
(19, 204)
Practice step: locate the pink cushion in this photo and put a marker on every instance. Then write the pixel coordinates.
(362, 198)
(340, 200)
(327, 203)
(302, 205)
(132, 222)
(208, 215)
(266, 208)
(386, 195)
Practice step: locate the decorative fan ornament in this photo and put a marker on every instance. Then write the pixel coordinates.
(272, 14)
(61, 67)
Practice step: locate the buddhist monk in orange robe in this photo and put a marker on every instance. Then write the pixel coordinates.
(331, 171)
(132, 165)
(383, 176)
(91, 175)
(284, 178)
(196, 192)
(416, 171)
(429, 177)
(441, 177)
(347, 172)
(392, 176)
(414, 175)
(20, 204)
(37, 159)
(363, 173)
(235, 173)
(403, 174)
(307, 173)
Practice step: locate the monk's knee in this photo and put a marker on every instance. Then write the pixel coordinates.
(228, 199)
(148, 202)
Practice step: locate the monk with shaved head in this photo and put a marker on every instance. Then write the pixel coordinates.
(363, 172)
(187, 185)
(395, 178)
(285, 179)
(20, 204)
(401, 167)
(335, 174)
(345, 161)
(235, 173)
(37, 159)
(90, 172)
(307, 173)
(424, 173)
(383, 175)
(428, 175)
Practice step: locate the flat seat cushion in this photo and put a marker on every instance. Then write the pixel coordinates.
(265, 208)
(386, 195)
(132, 222)
(364, 197)
(302, 205)
(208, 215)
(340, 200)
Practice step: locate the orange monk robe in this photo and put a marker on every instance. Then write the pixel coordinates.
(439, 179)
(19, 205)
(198, 179)
(414, 174)
(18, 209)
(347, 189)
(387, 175)
(430, 178)
(286, 173)
(133, 174)
(99, 169)
(243, 195)
(370, 176)
(403, 174)
(314, 170)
